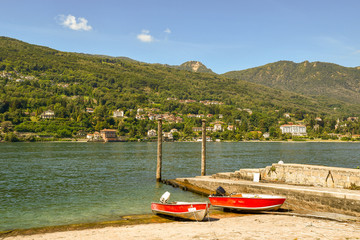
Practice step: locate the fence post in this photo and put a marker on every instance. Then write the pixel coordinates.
(203, 149)
(159, 152)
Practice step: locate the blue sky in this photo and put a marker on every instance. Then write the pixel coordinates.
(224, 35)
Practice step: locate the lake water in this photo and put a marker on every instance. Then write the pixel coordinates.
(44, 184)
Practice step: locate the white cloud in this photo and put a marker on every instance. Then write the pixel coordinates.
(145, 36)
(71, 22)
(168, 31)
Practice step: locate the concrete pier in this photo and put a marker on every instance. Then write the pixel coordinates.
(298, 196)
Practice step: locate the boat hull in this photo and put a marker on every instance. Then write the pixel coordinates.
(192, 211)
(248, 202)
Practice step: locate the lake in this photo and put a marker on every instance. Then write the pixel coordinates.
(45, 184)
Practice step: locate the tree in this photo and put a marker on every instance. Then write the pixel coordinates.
(6, 126)
(274, 133)
(176, 136)
(11, 137)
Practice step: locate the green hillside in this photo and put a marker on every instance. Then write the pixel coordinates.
(309, 78)
(125, 83)
(34, 79)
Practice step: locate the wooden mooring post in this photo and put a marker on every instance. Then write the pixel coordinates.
(203, 149)
(159, 151)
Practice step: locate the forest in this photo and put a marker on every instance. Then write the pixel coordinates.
(35, 79)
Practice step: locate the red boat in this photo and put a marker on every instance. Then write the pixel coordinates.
(187, 210)
(248, 202)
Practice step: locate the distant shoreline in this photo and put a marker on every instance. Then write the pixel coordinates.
(227, 141)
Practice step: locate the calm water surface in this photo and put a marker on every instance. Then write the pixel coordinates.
(43, 184)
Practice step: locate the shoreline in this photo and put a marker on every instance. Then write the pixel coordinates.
(244, 141)
(126, 220)
(220, 225)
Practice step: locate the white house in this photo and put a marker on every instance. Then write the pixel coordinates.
(90, 110)
(168, 136)
(152, 133)
(266, 135)
(295, 130)
(118, 113)
(217, 127)
(174, 130)
(49, 114)
(231, 127)
(197, 129)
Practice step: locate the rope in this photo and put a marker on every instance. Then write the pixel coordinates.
(213, 232)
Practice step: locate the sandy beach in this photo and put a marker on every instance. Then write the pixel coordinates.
(258, 226)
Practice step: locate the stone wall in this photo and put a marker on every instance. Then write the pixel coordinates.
(297, 197)
(312, 175)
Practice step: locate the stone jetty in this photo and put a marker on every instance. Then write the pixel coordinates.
(307, 188)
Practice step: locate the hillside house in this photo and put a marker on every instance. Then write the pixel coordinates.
(118, 114)
(256, 133)
(140, 117)
(90, 136)
(89, 110)
(152, 133)
(168, 136)
(357, 136)
(109, 135)
(249, 111)
(151, 116)
(197, 129)
(93, 137)
(174, 130)
(352, 119)
(231, 128)
(81, 133)
(217, 127)
(318, 119)
(179, 119)
(208, 139)
(49, 114)
(266, 135)
(295, 130)
(210, 129)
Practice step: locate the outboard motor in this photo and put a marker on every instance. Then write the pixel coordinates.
(220, 191)
(165, 197)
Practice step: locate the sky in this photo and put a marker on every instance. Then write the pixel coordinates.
(224, 35)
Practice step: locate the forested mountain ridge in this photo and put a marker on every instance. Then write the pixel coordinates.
(308, 78)
(34, 79)
(127, 83)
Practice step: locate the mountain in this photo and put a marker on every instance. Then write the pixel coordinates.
(48, 77)
(194, 66)
(318, 79)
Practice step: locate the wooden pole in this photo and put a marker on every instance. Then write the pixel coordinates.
(159, 152)
(203, 149)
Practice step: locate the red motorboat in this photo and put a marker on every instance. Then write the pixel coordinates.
(248, 202)
(187, 210)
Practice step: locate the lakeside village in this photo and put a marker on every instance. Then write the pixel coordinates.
(296, 131)
(177, 127)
